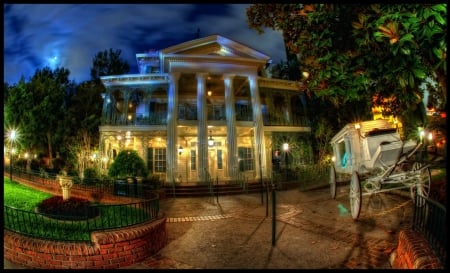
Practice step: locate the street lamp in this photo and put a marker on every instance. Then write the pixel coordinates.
(12, 136)
(286, 149)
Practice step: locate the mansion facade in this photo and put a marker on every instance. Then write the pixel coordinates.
(201, 110)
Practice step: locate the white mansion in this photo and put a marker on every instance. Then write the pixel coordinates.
(200, 110)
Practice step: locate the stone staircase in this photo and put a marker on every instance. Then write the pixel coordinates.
(204, 190)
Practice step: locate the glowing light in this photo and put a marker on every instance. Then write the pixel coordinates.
(210, 140)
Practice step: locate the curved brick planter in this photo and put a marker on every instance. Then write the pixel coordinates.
(413, 252)
(108, 249)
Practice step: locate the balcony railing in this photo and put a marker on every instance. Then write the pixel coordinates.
(214, 112)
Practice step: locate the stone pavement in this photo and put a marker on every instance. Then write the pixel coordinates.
(311, 231)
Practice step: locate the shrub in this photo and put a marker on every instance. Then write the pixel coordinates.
(128, 164)
(90, 176)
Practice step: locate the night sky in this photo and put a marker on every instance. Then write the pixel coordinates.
(70, 35)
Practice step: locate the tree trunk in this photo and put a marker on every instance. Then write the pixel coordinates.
(50, 157)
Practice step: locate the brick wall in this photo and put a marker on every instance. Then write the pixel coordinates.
(107, 250)
(413, 252)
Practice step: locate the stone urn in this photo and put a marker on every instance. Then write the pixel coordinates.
(66, 184)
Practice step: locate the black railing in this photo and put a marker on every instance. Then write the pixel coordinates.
(431, 222)
(52, 227)
(104, 185)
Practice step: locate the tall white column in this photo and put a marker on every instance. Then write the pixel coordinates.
(230, 113)
(202, 143)
(258, 126)
(126, 98)
(172, 112)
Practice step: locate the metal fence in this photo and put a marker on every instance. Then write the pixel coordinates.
(118, 187)
(97, 217)
(430, 221)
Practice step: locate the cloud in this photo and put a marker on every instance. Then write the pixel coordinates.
(69, 35)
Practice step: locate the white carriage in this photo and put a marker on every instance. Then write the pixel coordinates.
(377, 160)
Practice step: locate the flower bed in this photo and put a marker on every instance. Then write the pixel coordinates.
(73, 208)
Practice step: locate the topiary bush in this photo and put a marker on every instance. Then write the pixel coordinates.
(91, 176)
(128, 164)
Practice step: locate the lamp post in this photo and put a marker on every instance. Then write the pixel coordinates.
(12, 135)
(286, 149)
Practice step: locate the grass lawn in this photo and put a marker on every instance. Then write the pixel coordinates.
(22, 197)
(24, 200)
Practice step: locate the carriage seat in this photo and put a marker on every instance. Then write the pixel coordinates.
(382, 147)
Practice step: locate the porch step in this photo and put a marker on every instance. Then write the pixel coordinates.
(203, 190)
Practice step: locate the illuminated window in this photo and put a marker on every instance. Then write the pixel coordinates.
(246, 162)
(219, 160)
(160, 160)
(193, 160)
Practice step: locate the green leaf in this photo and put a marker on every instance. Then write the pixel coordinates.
(411, 80)
(439, 19)
(419, 73)
(408, 37)
(405, 51)
(437, 52)
(440, 7)
(402, 82)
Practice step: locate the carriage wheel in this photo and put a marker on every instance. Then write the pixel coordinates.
(421, 186)
(333, 182)
(355, 195)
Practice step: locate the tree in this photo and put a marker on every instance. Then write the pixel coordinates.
(82, 120)
(15, 110)
(49, 89)
(37, 107)
(85, 109)
(128, 164)
(354, 51)
(108, 63)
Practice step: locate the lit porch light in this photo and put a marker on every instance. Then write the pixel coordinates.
(210, 140)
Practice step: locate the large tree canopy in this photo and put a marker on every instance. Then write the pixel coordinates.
(108, 62)
(37, 108)
(49, 111)
(354, 51)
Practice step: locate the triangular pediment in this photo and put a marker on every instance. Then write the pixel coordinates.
(215, 45)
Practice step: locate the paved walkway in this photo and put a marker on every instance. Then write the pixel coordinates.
(310, 231)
